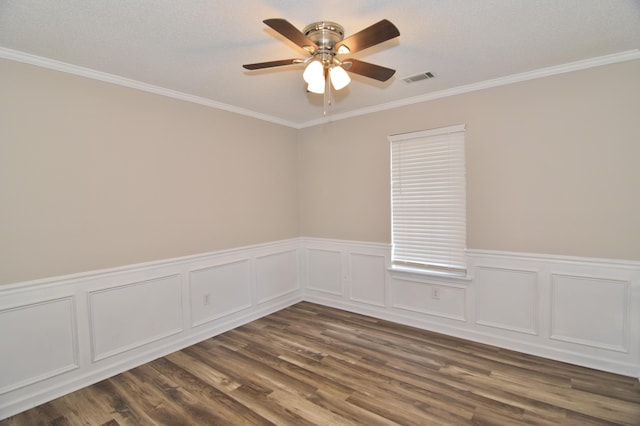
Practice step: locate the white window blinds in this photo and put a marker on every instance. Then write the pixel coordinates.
(428, 199)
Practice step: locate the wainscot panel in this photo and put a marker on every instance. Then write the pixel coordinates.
(219, 290)
(133, 315)
(420, 296)
(64, 333)
(277, 275)
(38, 342)
(599, 317)
(507, 298)
(367, 278)
(324, 271)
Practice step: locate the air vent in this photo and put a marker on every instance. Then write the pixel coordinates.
(418, 77)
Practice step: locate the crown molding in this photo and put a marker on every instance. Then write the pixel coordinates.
(502, 81)
(134, 84)
(40, 61)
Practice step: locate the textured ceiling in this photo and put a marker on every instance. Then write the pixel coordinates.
(196, 48)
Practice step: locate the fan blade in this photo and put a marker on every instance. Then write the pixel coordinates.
(271, 64)
(366, 69)
(370, 36)
(285, 28)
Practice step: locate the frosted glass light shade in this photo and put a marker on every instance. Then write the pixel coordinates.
(339, 77)
(313, 72)
(317, 85)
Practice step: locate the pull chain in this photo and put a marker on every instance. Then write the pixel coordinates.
(327, 96)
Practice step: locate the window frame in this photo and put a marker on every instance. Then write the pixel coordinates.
(455, 135)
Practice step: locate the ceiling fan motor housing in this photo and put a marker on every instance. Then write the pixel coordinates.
(326, 35)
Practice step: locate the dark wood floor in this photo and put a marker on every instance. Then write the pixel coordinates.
(312, 365)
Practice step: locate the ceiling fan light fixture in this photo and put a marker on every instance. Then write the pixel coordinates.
(316, 86)
(339, 77)
(313, 72)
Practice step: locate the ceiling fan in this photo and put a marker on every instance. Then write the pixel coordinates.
(324, 41)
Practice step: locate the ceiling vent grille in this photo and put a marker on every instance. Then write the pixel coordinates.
(418, 77)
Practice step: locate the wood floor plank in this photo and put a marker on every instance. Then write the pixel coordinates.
(314, 365)
(227, 409)
(78, 405)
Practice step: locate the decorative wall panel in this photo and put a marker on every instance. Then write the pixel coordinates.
(218, 291)
(367, 278)
(590, 311)
(432, 299)
(507, 299)
(276, 275)
(38, 341)
(134, 314)
(324, 271)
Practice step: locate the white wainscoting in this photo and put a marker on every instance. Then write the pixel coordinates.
(577, 310)
(600, 318)
(415, 295)
(135, 314)
(324, 271)
(277, 275)
(60, 334)
(220, 290)
(367, 278)
(345, 274)
(507, 299)
(42, 335)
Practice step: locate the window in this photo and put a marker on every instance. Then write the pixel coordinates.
(428, 200)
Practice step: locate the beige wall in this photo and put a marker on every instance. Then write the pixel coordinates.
(553, 166)
(94, 175)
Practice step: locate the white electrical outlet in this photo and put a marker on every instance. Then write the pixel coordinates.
(435, 293)
(206, 299)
